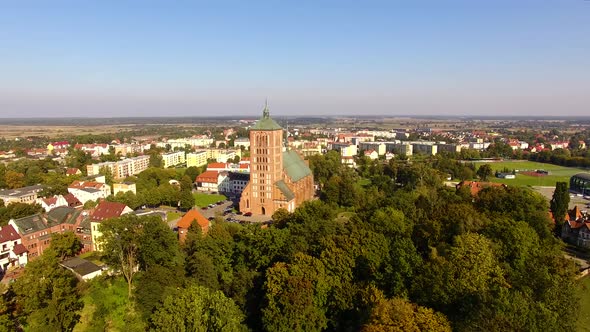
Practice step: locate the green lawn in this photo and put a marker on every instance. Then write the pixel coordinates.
(203, 200)
(173, 215)
(584, 308)
(556, 173)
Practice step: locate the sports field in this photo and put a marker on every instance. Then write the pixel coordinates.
(556, 173)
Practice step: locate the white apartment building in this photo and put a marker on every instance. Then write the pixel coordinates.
(173, 158)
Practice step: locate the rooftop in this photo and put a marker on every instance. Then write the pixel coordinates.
(295, 166)
(266, 122)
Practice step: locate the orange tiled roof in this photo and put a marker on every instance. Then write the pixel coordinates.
(191, 215)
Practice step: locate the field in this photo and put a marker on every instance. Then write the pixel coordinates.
(203, 200)
(584, 319)
(556, 173)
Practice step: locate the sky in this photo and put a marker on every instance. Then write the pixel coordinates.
(200, 58)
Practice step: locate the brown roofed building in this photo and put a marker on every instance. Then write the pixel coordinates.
(105, 210)
(475, 186)
(576, 229)
(12, 252)
(185, 222)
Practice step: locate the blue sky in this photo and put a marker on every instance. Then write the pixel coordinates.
(190, 58)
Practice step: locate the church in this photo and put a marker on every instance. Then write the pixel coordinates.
(278, 179)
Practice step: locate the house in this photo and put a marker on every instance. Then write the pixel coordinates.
(35, 231)
(237, 182)
(83, 269)
(210, 181)
(371, 154)
(51, 203)
(104, 210)
(476, 186)
(124, 187)
(576, 229)
(348, 161)
(73, 171)
(242, 141)
(12, 252)
(21, 195)
(72, 201)
(86, 191)
(185, 222)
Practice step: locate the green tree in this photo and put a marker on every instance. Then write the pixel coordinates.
(484, 172)
(296, 295)
(192, 173)
(201, 310)
(47, 297)
(65, 244)
(14, 179)
(559, 204)
(120, 244)
(156, 160)
(400, 315)
(187, 200)
(18, 210)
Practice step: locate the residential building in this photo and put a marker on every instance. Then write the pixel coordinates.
(124, 187)
(242, 142)
(237, 182)
(95, 150)
(453, 148)
(576, 229)
(428, 148)
(278, 179)
(223, 155)
(475, 186)
(173, 159)
(211, 181)
(35, 231)
(185, 222)
(399, 148)
(21, 195)
(51, 203)
(122, 168)
(196, 159)
(73, 171)
(12, 252)
(345, 149)
(104, 210)
(371, 154)
(86, 191)
(376, 146)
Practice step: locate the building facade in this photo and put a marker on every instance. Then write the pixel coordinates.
(278, 179)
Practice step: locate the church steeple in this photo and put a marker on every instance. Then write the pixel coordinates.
(265, 111)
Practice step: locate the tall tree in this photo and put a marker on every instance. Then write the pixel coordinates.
(198, 309)
(559, 204)
(484, 171)
(65, 244)
(46, 295)
(400, 315)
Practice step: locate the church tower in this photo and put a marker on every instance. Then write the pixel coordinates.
(266, 162)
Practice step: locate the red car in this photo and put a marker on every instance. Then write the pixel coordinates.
(248, 214)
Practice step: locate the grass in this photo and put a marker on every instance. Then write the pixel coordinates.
(107, 308)
(203, 200)
(584, 308)
(173, 215)
(556, 173)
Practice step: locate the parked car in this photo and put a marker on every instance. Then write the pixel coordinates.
(248, 214)
(204, 208)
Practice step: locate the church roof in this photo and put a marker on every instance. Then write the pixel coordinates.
(289, 195)
(295, 166)
(266, 122)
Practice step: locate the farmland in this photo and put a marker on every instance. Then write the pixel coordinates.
(556, 173)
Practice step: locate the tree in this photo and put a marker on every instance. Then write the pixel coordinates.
(296, 295)
(198, 309)
(156, 160)
(186, 183)
(559, 204)
(18, 210)
(65, 244)
(46, 295)
(400, 315)
(14, 179)
(120, 243)
(484, 171)
(192, 173)
(187, 200)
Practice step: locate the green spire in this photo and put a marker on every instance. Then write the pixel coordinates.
(265, 111)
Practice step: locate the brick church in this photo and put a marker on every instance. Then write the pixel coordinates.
(278, 179)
